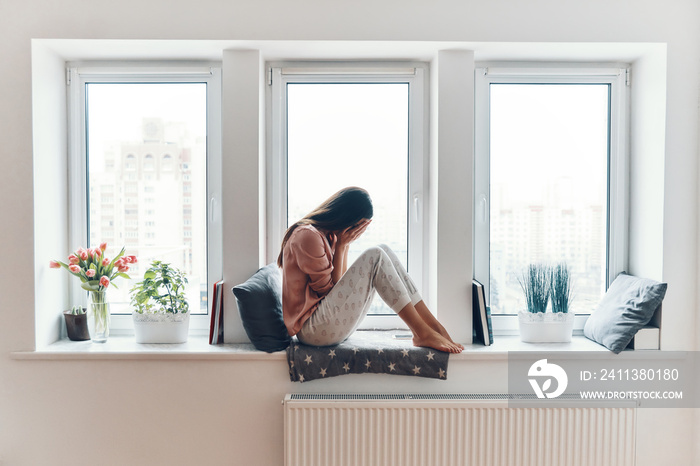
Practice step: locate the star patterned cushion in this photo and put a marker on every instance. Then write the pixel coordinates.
(365, 352)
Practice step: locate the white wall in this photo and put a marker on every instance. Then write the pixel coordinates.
(241, 160)
(454, 154)
(125, 408)
(648, 99)
(51, 173)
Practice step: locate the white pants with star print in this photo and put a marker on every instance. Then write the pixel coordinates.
(340, 312)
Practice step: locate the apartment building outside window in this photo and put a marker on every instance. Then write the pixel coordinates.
(550, 178)
(142, 138)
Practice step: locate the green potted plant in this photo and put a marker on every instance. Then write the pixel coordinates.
(161, 312)
(540, 283)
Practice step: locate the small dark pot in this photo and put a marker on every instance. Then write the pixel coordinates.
(77, 327)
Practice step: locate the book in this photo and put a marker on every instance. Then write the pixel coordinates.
(480, 316)
(220, 334)
(216, 313)
(212, 315)
(647, 338)
(488, 321)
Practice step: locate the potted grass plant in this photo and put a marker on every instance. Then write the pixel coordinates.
(542, 283)
(76, 323)
(161, 312)
(560, 289)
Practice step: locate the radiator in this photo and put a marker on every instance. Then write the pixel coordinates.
(452, 430)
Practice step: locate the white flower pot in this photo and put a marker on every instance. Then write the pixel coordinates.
(161, 328)
(545, 327)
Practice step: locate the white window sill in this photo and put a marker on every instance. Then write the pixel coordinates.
(122, 347)
(198, 348)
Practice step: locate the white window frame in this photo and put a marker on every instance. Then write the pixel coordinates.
(617, 76)
(78, 74)
(412, 73)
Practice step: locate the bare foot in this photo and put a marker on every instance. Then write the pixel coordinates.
(441, 330)
(437, 341)
(433, 323)
(427, 333)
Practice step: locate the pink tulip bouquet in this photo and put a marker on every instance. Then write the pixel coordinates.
(97, 272)
(94, 269)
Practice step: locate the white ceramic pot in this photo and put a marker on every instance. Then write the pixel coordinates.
(545, 327)
(161, 328)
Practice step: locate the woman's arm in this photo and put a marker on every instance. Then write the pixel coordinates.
(340, 261)
(342, 245)
(309, 251)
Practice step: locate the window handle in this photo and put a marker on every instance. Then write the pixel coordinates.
(416, 208)
(213, 205)
(483, 206)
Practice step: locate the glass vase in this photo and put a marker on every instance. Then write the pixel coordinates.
(100, 316)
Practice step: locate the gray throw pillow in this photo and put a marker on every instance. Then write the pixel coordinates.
(259, 302)
(627, 306)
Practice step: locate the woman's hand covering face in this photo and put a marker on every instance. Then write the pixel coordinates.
(350, 234)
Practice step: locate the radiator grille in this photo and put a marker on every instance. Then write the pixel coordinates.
(423, 396)
(452, 430)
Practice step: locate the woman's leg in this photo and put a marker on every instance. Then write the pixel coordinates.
(343, 308)
(416, 299)
(341, 311)
(402, 274)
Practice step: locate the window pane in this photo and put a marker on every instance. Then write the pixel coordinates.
(351, 135)
(549, 185)
(147, 179)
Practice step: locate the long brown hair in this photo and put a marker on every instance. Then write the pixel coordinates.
(340, 211)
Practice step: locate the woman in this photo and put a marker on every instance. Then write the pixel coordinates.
(324, 301)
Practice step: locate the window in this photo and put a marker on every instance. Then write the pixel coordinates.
(151, 122)
(167, 164)
(351, 126)
(550, 179)
(148, 164)
(129, 163)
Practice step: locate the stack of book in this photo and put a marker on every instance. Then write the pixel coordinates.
(216, 326)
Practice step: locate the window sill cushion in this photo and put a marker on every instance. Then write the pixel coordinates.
(365, 353)
(627, 306)
(259, 302)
